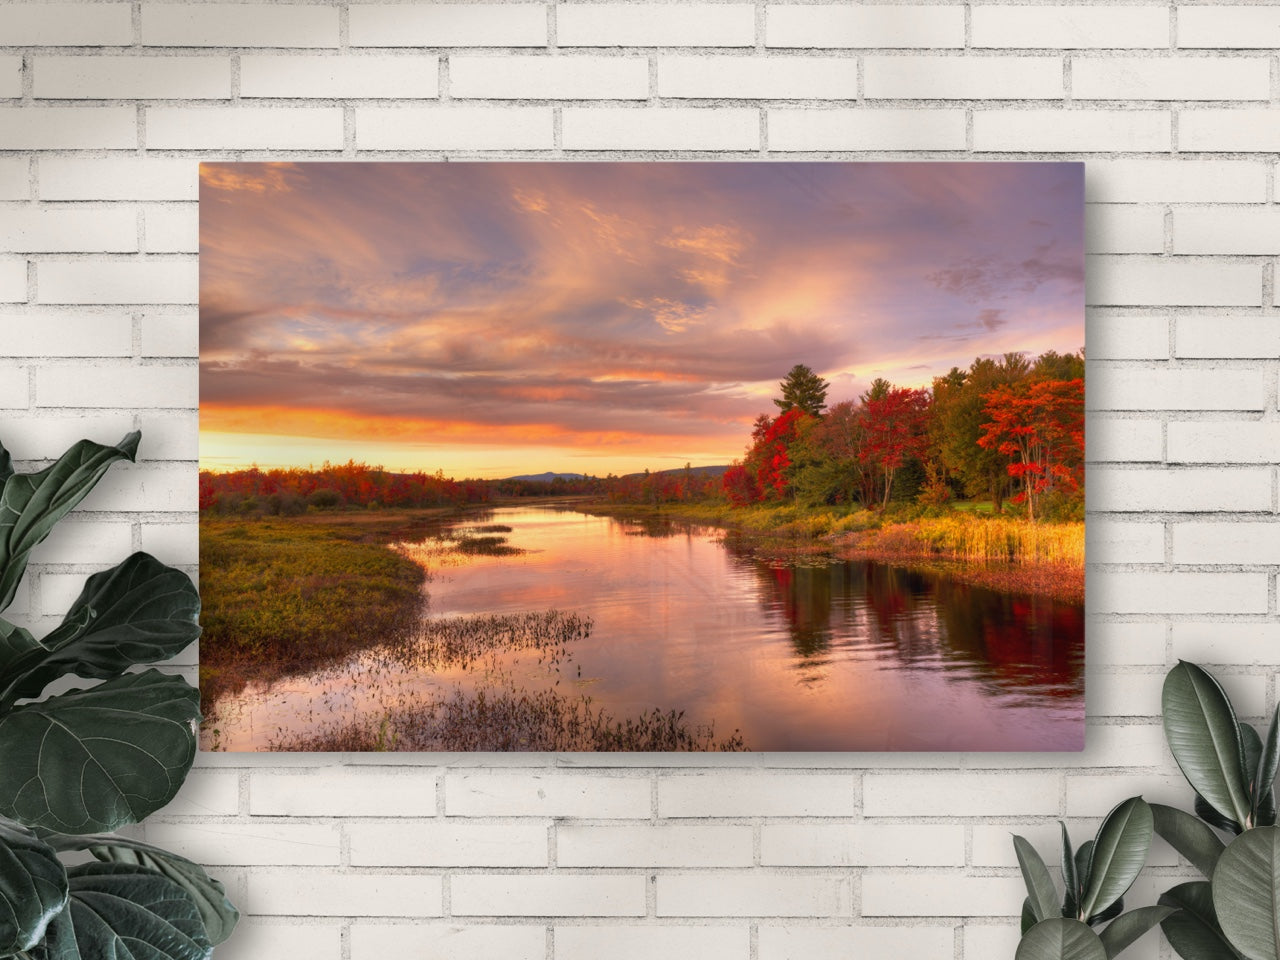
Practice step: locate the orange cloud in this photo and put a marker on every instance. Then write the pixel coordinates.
(263, 178)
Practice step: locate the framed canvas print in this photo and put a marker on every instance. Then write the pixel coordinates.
(642, 456)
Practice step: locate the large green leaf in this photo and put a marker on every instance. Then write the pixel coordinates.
(31, 503)
(1070, 879)
(1193, 931)
(140, 611)
(92, 760)
(1246, 893)
(16, 644)
(1190, 837)
(218, 914)
(33, 887)
(1204, 736)
(1060, 938)
(1119, 851)
(6, 464)
(1040, 888)
(1264, 778)
(1128, 927)
(122, 912)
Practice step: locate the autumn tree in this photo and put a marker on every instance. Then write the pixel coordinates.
(896, 431)
(804, 390)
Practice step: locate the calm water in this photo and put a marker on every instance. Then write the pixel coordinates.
(841, 656)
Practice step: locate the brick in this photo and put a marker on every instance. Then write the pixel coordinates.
(441, 942)
(115, 386)
(548, 78)
(655, 25)
(357, 76)
(866, 129)
(334, 793)
(46, 436)
(239, 25)
(1240, 129)
(1123, 228)
(170, 335)
(133, 78)
(171, 436)
(1128, 643)
(244, 128)
(1237, 337)
(454, 128)
(66, 24)
(449, 25)
(963, 78)
(993, 941)
(1229, 27)
(844, 845)
(171, 228)
(13, 281)
(69, 335)
(172, 543)
(1170, 592)
(205, 794)
(654, 845)
(258, 938)
(1126, 441)
(254, 843)
(1095, 796)
(792, 942)
(545, 795)
(46, 229)
(86, 541)
(1232, 543)
(1135, 337)
(1209, 642)
(758, 78)
(68, 128)
(958, 795)
(14, 177)
(920, 27)
(118, 178)
(1235, 441)
(1175, 181)
(919, 894)
(154, 280)
(10, 77)
(1069, 27)
(435, 843)
(1120, 386)
(993, 845)
(1072, 131)
(1116, 541)
(1171, 281)
(756, 794)
(660, 128)
(1230, 230)
(1170, 78)
(651, 940)
(1179, 491)
(741, 894)
(546, 896)
(298, 894)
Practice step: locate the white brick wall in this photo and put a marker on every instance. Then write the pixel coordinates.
(108, 107)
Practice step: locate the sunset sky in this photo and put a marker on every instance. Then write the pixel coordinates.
(494, 319)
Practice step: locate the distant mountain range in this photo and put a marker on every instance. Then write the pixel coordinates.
(549, 475)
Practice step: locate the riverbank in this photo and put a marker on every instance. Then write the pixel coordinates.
(1001, 553)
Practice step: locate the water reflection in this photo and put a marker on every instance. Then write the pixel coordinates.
(797, 656)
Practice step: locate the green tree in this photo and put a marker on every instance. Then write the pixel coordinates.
(802, 389)
(959, 412)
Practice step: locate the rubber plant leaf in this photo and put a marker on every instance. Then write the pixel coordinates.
(1246, 893)
(1190, 837)
(140, 611)
(1060, 938)
(1205, 738)
(122, 912)
(31, 503)
(1119, 851)
(1071, 902)
(92, 760)
(33, 888)
(1128, 927)
(1040, 888)
(217, 913)
(1263, 785)
(1194, 931)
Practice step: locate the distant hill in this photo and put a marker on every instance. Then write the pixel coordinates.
(696, 471)
(548, 477)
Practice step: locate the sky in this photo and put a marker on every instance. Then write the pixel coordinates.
(496, 319)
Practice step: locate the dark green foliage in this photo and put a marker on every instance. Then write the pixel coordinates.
(802, 389)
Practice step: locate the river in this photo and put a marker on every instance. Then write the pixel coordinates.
(825, 656)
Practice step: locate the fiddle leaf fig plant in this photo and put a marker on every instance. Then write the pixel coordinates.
(94, 758)
(1096, 878)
